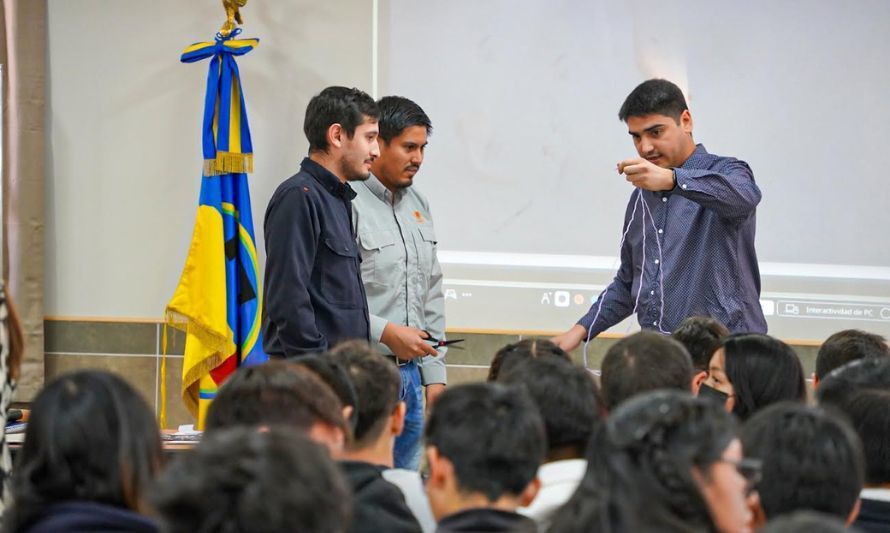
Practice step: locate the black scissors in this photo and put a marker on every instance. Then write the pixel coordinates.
(439, 343)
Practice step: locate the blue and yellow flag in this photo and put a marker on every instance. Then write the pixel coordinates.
(217, 302)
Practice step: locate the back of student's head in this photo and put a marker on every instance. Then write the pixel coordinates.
(643, 463)
(334, 376)
(806, 522)
(700, 335)
(812, 459)
(869, 373)
(275, 393)
(493, 436)
(849, 345)
(515, 352)
(869, 413)
(242, 480)
(566, 396)
(642, 362)
(376, 383)
(762, 370)
(90, 437)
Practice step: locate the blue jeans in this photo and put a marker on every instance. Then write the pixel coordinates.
(408, 447)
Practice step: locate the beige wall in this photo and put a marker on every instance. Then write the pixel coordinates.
(124, 118)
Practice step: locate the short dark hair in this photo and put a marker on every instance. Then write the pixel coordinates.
(861, 389)
(701, 335)
(811, 459)
(654, 97)
(275, 393)
(398, 113)
(90, 437)
(566, 396)
(519, 351)
(849, 345)
(336, 105)
(805, 522)
(641, 465)
(334, 376)
(643, 362)
(377, 383)
(868, 373)
(492, 434)
(240, 479)
(762, 370)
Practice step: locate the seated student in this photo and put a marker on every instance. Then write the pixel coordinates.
(568, 400)
(811, 460)
(241, 480)
(643, 362)
(280, 393)
(845, 346)
(701, 336)
(378, 505)
(91, 450)
(484, 444)
(861, 390)
(333, 375)
(519, 351)
(751, 371)
(663, 461)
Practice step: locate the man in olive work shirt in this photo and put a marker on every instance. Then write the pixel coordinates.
(400, 271)
(314, 296)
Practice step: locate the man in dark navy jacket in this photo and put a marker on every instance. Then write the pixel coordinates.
(314, 296)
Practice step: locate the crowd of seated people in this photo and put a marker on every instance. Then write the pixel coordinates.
(702, 430)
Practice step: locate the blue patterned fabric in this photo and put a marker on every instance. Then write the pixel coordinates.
(688, 252)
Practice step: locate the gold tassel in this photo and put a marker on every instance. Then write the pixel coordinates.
(228, 163)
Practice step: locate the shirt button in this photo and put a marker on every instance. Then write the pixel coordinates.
(684, 185)
(660, 231)
(656, 261)
(655, 323)
(651, 292)
(664, 199)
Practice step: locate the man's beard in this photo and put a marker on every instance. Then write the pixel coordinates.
(356, 172)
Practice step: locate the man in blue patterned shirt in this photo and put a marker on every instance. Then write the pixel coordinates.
(687, 245)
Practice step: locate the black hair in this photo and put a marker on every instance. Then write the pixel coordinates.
(566, 396)
(762, 370)
(811, 459)
(806, 522)
(336, 105)
(654, 97)
(519, 351)
(275, 392)
(90, 437)
(643, 362)
(492, 434)
(849, 345)
(868, 373)
(641, 464)
(398, 113)
(701, 336)
(242, 480)
(861, 390)
(377, 383)
(335, 377)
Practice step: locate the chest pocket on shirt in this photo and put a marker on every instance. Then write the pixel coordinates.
(427, 248)
(339, 282)
(381, 258)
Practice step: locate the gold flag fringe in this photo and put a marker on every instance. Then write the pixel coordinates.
(228, 163)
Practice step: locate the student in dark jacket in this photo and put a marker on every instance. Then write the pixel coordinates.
(91, 449)
(378, 505)
(485, 442)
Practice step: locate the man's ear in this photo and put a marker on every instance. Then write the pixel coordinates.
(441, 469)
(335, 135)
(686, 121)
(397, 419)
(697, 380)
(531, 490)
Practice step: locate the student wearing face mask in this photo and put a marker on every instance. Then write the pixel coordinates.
(750, 371)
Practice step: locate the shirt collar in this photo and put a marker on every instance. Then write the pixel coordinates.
(875, 494)
(380, 191)
(696, 156)
(327, 179)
